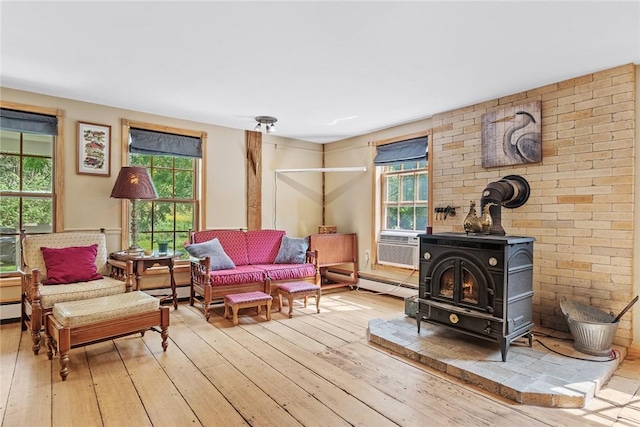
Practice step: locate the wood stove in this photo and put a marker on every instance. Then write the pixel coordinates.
(480, 285)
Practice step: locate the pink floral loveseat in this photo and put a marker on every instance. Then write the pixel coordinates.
(233, 261)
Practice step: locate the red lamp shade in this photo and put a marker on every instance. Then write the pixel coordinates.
(134, 183)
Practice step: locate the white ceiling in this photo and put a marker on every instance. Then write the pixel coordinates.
(326, 70)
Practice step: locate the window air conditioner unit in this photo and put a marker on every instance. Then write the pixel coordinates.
(399, 249)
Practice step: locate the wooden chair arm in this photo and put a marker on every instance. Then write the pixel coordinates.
(122, 270)
(31, 282)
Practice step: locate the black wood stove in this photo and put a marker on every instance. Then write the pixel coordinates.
(480, 285)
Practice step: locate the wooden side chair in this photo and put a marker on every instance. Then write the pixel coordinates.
(62, 267)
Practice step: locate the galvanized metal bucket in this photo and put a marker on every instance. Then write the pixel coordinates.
(592, 329)
(411, 306)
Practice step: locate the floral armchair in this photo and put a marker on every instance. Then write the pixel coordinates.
(68, 266)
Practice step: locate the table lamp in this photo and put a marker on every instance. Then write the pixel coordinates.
(134, 183)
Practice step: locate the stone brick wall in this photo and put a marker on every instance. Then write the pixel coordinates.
(581, 205)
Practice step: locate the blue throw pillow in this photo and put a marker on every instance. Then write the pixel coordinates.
(212, 249)
(292, 250)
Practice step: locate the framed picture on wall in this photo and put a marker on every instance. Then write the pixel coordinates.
(94, 149)
(512, 136)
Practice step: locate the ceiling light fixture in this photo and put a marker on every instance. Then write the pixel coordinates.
(268, 122)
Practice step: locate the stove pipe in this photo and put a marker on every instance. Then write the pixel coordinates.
(512, 191)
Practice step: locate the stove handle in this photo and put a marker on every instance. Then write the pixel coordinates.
(490, 295)
(427, 287)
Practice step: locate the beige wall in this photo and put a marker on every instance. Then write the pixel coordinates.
(581, 209)
(349, 195)
(86, 201)
(87, 204)
(292, 202)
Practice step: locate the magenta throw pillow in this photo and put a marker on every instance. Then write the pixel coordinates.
(70, 265)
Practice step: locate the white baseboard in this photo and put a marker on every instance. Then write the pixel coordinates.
(402, 291)
(10, 311)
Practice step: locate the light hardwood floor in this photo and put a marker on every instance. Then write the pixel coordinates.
(311, 370)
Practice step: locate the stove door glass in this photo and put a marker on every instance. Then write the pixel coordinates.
(469, 287)
(447, 283)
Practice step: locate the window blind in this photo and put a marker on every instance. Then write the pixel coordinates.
(22, 121)
(409, 150)
(164, 144)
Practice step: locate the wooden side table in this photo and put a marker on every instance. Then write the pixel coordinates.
(142, 262)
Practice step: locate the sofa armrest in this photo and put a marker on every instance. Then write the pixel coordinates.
(312, 258)
(200, 271)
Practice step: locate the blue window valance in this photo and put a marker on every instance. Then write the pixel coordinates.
(409, 150)
(164, 144)
(22, 121)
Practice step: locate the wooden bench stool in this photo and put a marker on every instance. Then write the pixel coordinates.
(298, 290)
(77, 323)
(246, 299)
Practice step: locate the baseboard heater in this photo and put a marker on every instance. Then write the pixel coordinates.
(10, 312)
(387, 286)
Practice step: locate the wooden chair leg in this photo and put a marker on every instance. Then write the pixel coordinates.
(207, 303)
(36, 326)
(206, 307)
(35, 337)
(226, 309)
(269, 309)
(279, 301)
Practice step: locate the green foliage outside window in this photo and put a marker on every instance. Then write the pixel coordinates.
(405, 196)
(26, 189)
(170, 217)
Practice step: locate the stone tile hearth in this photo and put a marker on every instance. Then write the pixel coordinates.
(531, 375)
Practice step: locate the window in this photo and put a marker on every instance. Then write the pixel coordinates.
(27, 180)
(403, 191)
(169, 217)
(172, 158)
(405, 194)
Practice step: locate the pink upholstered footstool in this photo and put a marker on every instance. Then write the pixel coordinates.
(244, 300)
(294, 290)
